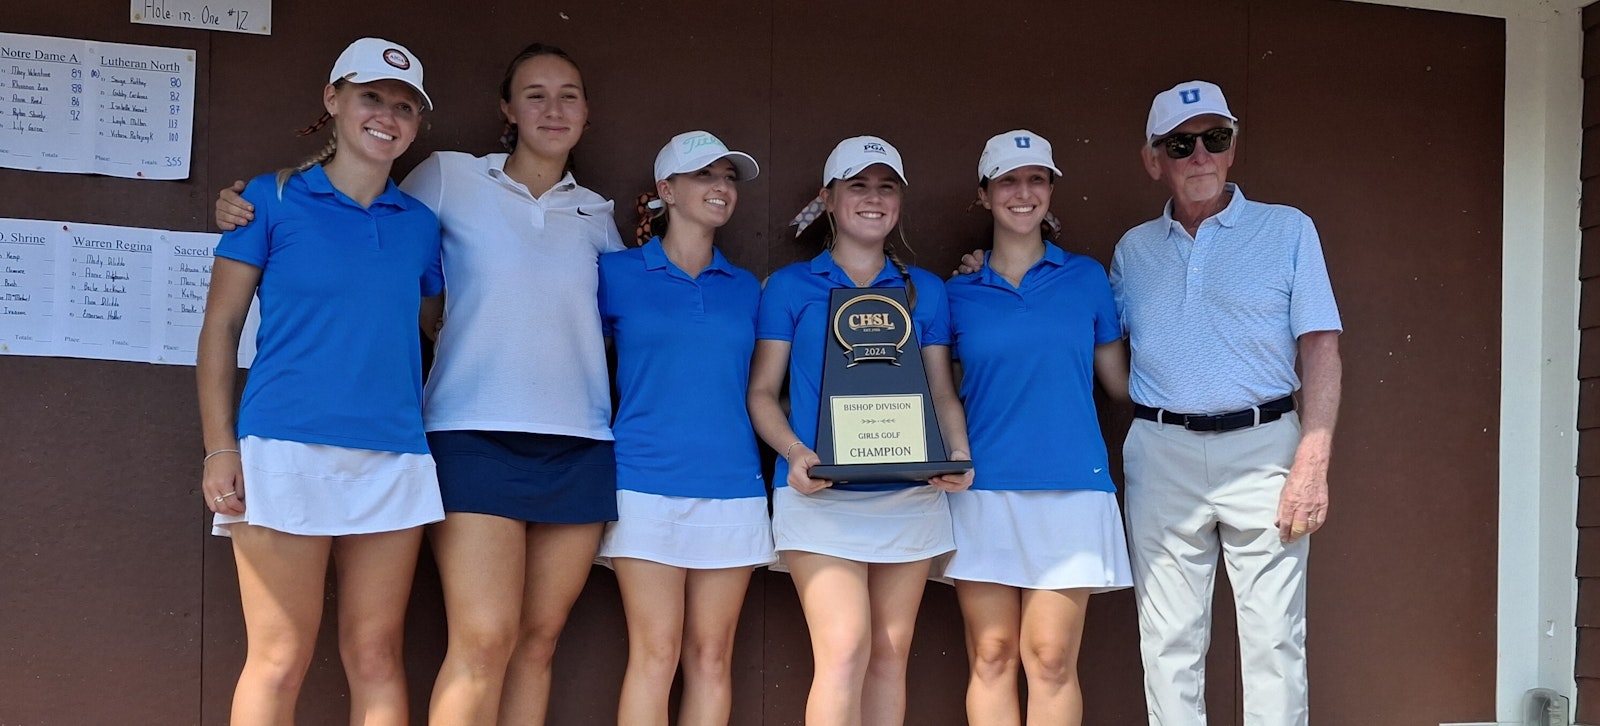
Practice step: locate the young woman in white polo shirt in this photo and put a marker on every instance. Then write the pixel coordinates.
(692, 506)
(859, 556)
(518, 403)
(1039, 531)
(325, 456)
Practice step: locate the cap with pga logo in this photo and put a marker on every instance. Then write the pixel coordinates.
(856, 153)
(696, 150)
(1014, 150)
(376, 59)
(1182, 102)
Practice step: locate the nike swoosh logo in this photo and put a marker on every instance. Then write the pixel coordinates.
(1097, 470)
(582, 213)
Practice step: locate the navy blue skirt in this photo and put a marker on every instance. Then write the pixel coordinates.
(542, 478)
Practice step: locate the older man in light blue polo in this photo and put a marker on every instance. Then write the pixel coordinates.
(1221, 297)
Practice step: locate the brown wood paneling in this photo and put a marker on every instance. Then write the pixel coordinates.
(1589, 552)
(1590, 167)
(1588, 403)
(1589, 207)
(1588, 615)
(1589, 259)
(1589, 503)
(1415, 391)
(100, 549)
(1591, 101)
(1588, 661)
(1414, 249)
(1589, 453)
(1589, 306)
(1587, 708)
(1589, 353)
(1591, 39)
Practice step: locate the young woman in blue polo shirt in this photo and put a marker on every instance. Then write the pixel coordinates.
(519, 427)
(859, 556)
(1039, 530)
(325, 456)
(691, 504)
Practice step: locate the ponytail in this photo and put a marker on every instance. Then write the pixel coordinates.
(321, 157)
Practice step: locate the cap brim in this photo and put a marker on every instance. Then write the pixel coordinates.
(743, 163)
(856, 171)
(373, 78)
(1009, 166)
(1173, 122)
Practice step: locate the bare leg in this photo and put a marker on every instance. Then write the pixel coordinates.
(480, 560)
(838, 610)
(713, 603)
(896, 594)
(1052, 630)
(653, 598)
(374, 576)
(558, 560)
(992, 614)
(281, 580)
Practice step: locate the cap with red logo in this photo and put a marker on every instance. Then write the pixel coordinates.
(376, 59)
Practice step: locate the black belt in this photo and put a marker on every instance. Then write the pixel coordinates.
(1265, 413)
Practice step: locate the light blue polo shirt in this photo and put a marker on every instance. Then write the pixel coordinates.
(794, 309)
(1027, 358)
(339, 351)
(1213, 320)
(683, 366)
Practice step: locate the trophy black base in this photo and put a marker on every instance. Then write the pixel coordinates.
(887, 473)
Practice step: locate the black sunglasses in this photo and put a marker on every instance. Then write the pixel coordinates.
(1181, 146)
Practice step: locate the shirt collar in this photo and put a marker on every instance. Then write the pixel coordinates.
(655, 258)
(497, 169)
(317, 182)
(824, 265)
(1228, 217)
(1053, 255)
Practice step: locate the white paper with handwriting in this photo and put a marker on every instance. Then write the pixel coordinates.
(98, 291)
(83, 106)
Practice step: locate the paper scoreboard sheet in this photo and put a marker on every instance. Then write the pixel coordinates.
(84, 106)
(113, 293)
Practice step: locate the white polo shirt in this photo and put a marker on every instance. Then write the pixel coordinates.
(521, 348)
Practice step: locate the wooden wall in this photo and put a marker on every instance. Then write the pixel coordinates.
(1384, 124)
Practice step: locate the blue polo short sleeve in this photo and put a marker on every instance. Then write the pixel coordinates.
(794, 309)
(1027, 356)
(683, 366)
(339, 358)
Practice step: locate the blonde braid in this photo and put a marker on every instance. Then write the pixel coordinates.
(905, 272)
(321, 157)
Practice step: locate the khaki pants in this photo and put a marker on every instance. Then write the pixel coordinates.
(1190, 497)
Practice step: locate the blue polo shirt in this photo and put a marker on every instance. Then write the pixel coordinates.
(683, 365)
(1214, 320)
(794, 309)
(1027, 357)
(338, 354)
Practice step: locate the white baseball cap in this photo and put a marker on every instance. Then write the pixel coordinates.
(857, 153)
(1182, 102)
(696, 150)
(1014, 150)
(376, 59)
